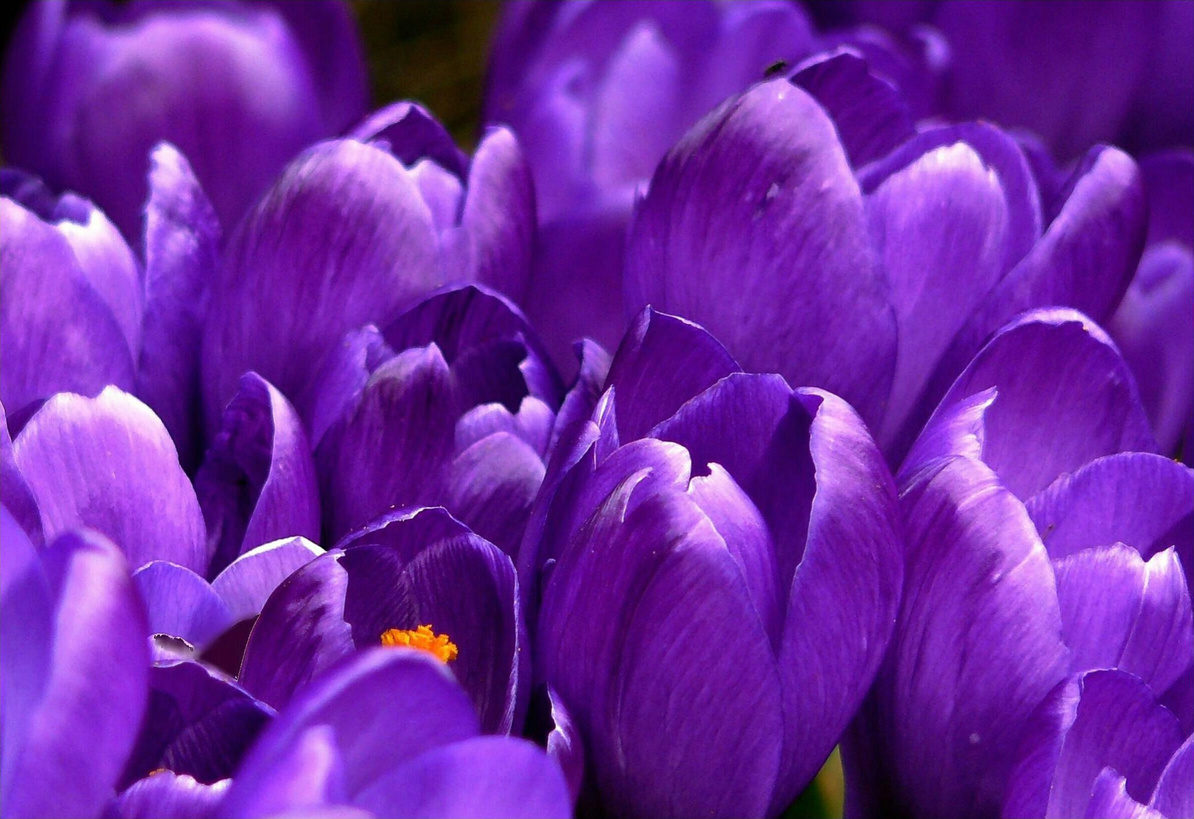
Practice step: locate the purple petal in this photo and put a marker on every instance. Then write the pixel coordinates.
(1174, 795)
(300, 634)
(565, 744)
(18, 498)
(1109, 800)
(844, 597)
(249, 581)
(1093, 720)
(198, 723)
(343, 374)
(977, 646)
(491, 487)
(497, 220)
(946, 210)
(1154, 329)
(1143, 500)
(1168, 179)
(531, 425)
(180, 603)
(870, 116)
(107, 463)
(94, 690)
(461, 586)
(629, 628)
(1118, 611)
(581, 398)
(1085, 259)
(405, 422)
(182, 241)
(284, 299)
(56, 332)
(257, 483)
(166, 795)
(346, 704)
(485, 776)
(302, 778)
(662, 362)
(701, 246)
(410, 132)
(1063, 398)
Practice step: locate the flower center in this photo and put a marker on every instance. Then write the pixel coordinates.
(424, 639)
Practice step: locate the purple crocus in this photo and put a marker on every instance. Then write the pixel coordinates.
(451, 404)
(357, 231)
(390, 733)
(73, 665)
(1040, 65)
(1043, 539)
(598, 92)
(90, 88)
(81, 311)
(412, 577)
(1101, 745)
(702, 528)
(808, 227)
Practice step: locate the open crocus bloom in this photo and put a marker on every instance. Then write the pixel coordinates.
(816, 234)
(1044, 539)
(240, 87)
(356, 231)
(723, 527)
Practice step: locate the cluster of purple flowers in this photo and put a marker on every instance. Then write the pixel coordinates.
(769, 379)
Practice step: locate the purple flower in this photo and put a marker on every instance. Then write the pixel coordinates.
(80, 311)
(240, 88)
(1154, 325)
(391, 734)
(451, 404)
(412, 577)
(598, 92)
(1039, 65)
(1100, 745)
(749, 536)
(809, 228)
(357, 231)
(73, 662)
(1043, 539)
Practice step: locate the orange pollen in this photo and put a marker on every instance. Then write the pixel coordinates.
(424, 639)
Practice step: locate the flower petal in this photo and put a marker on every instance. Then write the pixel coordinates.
(702, 245)
(108, 463)
(1173, 795)
(485, 776)
(257, 483)
(491, 487)
(250, 579)
(93, 694)
(180, 603)
(1091, 721)
(182, 243)
(14, 491)
(1109, 800)
(166, 795)
(662, 362)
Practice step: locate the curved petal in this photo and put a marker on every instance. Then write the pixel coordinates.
(1118, 611)
(342, 376)
(1154, 329)
(581, 398)
(1109, 800)
(300, 634)
(182, 243)
(198, 723)
(166, 795)
(1168, 177)
(1137, 498)
(491, 487)
(405, 423)
(1173, 795)
(93, 694)
(108, 463)
(56, 332)
(662, 362)
(845, 594)
(14, 491)
(181, 604)
(410, 132)
(565, 744)
(977, 645)
(1085, 260)
(250, 579)
(1091, 721)
(703, 245)
(341, 240)
(346, 704)
(494, 776)
(257, 483)
(1063, 398)
(869, 114)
